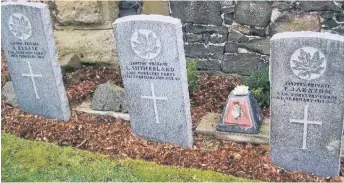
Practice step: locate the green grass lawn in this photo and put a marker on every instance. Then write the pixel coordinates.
(24, 160)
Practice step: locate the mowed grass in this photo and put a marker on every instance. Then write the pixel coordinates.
(30, 161)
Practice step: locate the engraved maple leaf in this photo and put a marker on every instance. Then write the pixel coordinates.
(146, 44)
(19, 26)
(308, 65)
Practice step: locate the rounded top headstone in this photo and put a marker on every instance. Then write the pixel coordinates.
(36, 5)
(309, 34)
(157, 18)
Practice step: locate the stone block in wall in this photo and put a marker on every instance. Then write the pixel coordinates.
(217, 38)
(197, 50)
(127, 12)
(127, 4)
(275, 14)
(245, 29)
(90, 45)
(255, 13)
(338, 30)
(329, 24)
(216, 48)
(236, 36)
(202, 29)
(77, 13)
(193, 38)
(227, 7)
(241, 63)
(257, 45)
(227, 3)
(319, 6)
(110, 11)
(231, 47)
(327, 15)
(228, 18)
(208, 64)
(199, 12)
(340, 17)
(228, 10)
(295, 21)
(216, 56)
(257, 31)
(266, 59)
(282, 5)
(129, 7)
(155, 7)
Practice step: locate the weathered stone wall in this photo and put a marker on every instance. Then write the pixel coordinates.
(127, 8)
(226, 36)
(233, 37)
(85, 28)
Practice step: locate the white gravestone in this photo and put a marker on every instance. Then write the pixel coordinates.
(307, 101)
(153, 67)
(29, 46)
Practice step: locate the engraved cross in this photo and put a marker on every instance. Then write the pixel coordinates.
(154, 98)
(305, 123)
(32, 76)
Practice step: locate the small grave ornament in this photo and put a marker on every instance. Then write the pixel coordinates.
(241, 113)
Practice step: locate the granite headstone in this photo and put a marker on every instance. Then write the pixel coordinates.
(29, 46)
(153, 67)
(307, 101)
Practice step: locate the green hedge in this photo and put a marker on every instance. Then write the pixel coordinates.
(258, 83)
(191, 67)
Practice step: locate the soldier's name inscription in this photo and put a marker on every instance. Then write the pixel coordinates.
(26, 50)
(150, 70)
(307, 92)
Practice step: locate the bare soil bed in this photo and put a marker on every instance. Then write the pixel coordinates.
(114, 137)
